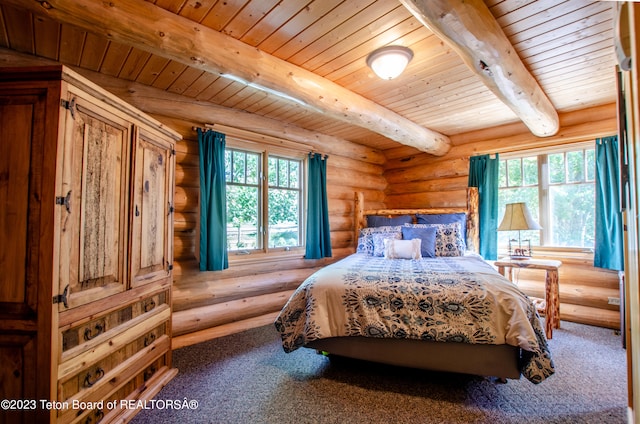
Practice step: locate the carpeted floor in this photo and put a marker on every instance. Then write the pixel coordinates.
(247, 378)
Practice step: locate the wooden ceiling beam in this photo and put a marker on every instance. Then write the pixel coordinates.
(150, 28)
(157, 102)
(470, 29)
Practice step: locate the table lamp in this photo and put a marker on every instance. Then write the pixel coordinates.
(518, 218)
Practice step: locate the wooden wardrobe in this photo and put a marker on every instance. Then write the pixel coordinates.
(86, 184)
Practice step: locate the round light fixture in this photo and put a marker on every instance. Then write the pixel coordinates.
(389, 62)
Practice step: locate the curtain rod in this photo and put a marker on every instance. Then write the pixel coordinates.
(206, 126)
(257, 137)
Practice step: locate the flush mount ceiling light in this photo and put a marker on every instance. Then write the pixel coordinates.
(389, 62)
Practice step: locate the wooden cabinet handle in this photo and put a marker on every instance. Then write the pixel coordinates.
(88, 334)
(149, 339)
(149, 305)
(149, 372)
(98, 414)
(90, 380)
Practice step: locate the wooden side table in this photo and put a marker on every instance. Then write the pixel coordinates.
(551, 286)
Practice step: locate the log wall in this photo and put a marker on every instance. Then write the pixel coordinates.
(417, 179)
(213, 304)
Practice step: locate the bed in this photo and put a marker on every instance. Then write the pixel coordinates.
(417, 294)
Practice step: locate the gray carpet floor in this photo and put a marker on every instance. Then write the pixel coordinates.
(247, 378)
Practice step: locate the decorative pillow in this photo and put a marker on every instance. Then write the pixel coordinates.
(402, 249)
(445, 218)
(427, 237)
(365, 239)
(382, 221)
(449, 240)
(378, 241)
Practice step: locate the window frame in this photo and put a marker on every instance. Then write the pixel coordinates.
(266, 253)
(543, 186)
(259, 213)
(300, 194)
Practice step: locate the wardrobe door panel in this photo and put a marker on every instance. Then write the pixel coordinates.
(95, 220)
(152, 220)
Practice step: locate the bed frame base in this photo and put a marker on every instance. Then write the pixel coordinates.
(499, 361)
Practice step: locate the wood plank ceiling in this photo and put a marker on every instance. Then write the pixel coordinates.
(566, 45)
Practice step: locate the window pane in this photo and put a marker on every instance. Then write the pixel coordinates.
(556, 168)
(228, 164)
(530, 168)
(239, 161)
(273, 171)
(253, 168)
(242, 217)
(575, 167)
(283, 173)
(294, 174)
(529, 195)
(572, 215)
(591, 164)
(514, 172)
(502, 174)
(284, 217)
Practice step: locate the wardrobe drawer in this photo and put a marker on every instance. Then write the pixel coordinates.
(78, 335)
(102, 370)
(127, 400)
(103, 407)
(130, 374)
(104, 345)
(152, 370)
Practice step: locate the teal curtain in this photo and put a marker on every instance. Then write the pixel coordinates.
(483, 173)
(609, 238)
(318, 243)
(213, 202)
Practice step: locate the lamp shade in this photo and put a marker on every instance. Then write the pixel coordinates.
(517, 217)
(389, 62)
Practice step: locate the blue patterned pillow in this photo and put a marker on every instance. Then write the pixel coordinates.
(449, 240)
(445, 218)
(378, 241)
(365, 240)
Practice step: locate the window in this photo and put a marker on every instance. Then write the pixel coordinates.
(264, 201)
(559, 190)
(285, 195)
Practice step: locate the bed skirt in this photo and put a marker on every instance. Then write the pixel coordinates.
(501, 361)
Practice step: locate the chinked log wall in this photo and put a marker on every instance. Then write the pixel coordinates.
(212, 304)
(421, 180)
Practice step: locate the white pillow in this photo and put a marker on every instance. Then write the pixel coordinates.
(402, 249)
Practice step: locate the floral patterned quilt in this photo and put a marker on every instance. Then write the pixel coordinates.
(445, 299)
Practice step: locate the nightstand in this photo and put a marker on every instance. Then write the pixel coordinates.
(551, 287)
